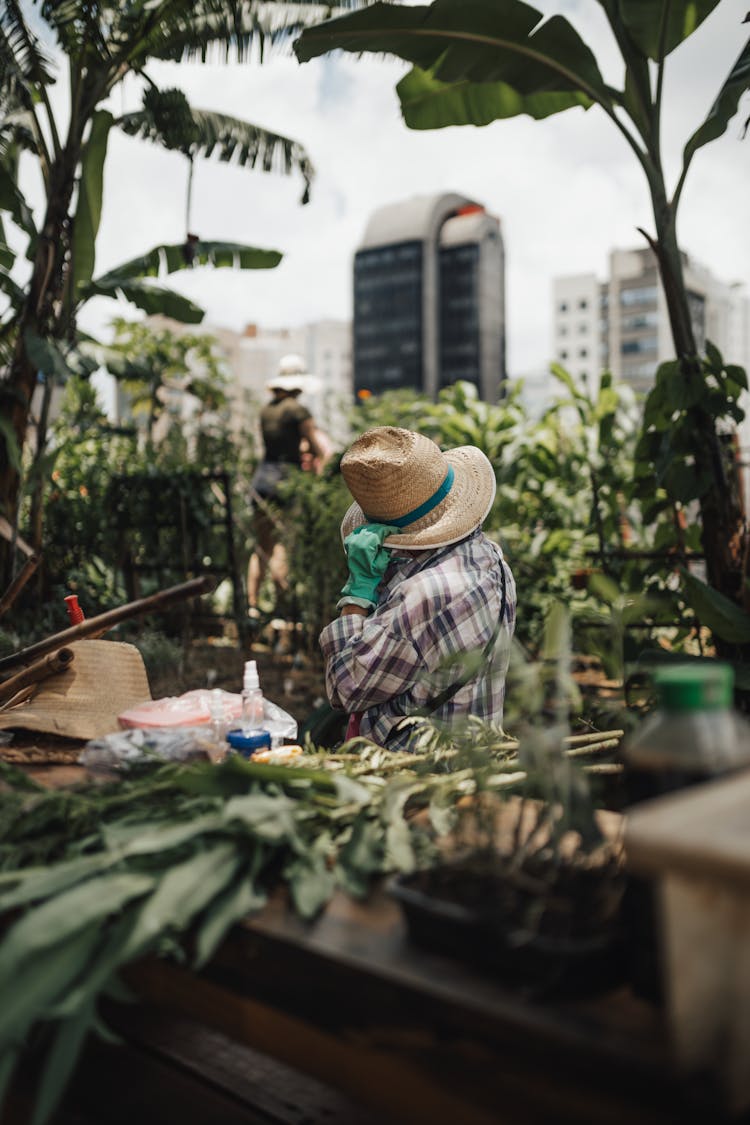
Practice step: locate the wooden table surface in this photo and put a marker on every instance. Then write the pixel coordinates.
(419, 1038)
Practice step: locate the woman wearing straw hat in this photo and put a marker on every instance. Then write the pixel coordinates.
(425, 587)
(285, 425)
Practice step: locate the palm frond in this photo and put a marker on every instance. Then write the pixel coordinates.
(16, 128)
(168, 119)
(21, 56)
(13, 291)
(168, 259)
(83, 26)
(154, 300)
(212, 28)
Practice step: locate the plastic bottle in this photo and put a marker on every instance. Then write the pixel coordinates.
(692, 736)
(252, 697)
(218, 720)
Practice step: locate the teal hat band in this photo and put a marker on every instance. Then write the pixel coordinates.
(429, 504)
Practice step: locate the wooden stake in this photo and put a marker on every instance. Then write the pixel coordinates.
(18, 583)
(40, 670)
(104, 621)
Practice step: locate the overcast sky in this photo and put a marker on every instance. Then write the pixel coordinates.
(566, 190)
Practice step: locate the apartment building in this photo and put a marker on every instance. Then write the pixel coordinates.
(622, 323)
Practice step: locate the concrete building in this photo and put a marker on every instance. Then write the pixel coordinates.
(429, 298)
(622, 323)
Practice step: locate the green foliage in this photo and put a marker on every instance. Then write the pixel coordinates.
(161, 654)
(158, 368)
(725, 619)
(78, 520)
(116, 497)
(168, 119)
(96, 49)
(313, 510)
(562, 481)
(665, 454)
(478, 62)
(163, 862)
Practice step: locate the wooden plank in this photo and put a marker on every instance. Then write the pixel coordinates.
(416, 1037)
(286, 1096)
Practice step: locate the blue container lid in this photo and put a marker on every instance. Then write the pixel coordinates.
(246, 742)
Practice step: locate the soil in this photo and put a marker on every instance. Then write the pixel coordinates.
(552, 933)
(568, 900)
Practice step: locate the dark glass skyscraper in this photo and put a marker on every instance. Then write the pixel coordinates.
(429, 302)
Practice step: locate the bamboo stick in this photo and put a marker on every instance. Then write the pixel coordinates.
(105, 621)
(48, 665)
(593, 736)
(18, 583)
(20, 696)
(593, 748)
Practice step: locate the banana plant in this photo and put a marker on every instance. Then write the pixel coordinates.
(96, 46)
(473, 63)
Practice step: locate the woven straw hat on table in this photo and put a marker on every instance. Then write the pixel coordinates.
(104, 679)
(398, 475)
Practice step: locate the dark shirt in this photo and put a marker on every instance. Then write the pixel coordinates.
(280, 423)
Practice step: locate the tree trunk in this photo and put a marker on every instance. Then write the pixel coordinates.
(41, 314)
(720, 506)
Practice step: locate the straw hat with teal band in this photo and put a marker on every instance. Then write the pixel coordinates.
(402, 478)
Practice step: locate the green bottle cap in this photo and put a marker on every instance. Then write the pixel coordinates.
(695, 686)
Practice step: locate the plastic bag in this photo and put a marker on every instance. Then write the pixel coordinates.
(208, 705)
(279, 723)
(128, 747)
(192, 709)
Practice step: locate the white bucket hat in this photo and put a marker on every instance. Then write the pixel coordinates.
(403, 478)
(293, 376)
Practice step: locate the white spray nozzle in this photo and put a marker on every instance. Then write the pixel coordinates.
(251, 675)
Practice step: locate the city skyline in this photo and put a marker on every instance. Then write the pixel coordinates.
(566, 190)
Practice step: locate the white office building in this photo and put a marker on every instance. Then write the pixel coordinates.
(622, 324)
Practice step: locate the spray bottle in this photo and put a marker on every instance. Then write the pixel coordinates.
(252, 698)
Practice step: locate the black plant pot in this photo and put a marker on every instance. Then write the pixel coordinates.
(542, 966)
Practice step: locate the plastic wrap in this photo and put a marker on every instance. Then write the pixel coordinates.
(130, 747)
(204, 707)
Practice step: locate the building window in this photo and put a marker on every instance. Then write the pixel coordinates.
(643, 295)
(583, 303)
(582, 329)
(562, 330)
(640, 320)
(563, 354)
(635, 347)
(583, 352)
(563, 306)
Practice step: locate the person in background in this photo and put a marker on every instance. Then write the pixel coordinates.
(425, 586)
(287, 428)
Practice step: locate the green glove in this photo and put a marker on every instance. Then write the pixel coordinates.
(367, 559)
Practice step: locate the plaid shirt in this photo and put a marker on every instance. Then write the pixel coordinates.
(430, 608)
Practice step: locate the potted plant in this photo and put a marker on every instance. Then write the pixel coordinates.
(526, 876)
